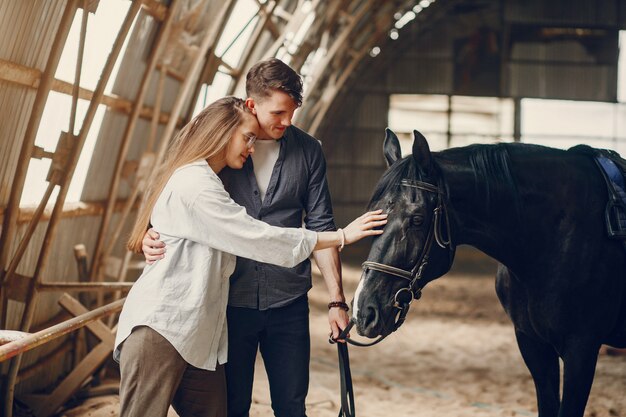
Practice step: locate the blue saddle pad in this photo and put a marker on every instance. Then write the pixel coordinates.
(615, 180)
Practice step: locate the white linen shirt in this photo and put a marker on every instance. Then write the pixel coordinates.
(184, 296)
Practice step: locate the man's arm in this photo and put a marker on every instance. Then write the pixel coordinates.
(153, 249)
(319, 216)
(329, 263)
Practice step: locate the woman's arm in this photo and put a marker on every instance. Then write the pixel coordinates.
(202, 211)
(361, 227)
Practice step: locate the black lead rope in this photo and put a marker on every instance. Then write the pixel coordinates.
(347, 393)
(345, 376)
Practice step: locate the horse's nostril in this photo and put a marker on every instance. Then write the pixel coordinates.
(371, 317)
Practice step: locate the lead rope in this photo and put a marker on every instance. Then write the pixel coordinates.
(345, 376)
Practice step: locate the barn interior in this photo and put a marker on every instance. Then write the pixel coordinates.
(93, 91)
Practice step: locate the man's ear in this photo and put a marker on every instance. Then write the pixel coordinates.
(251, 104)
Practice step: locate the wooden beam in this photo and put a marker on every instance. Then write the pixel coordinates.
(85, 286)
(155, 9)
(31, 77)
(252, 43)
(35, 340)
(70, 210)
(340, 43)
(171, 72)
(48, 404)
(155, 54)
(75, 308)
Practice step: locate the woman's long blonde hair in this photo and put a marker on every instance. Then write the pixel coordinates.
(204, 137)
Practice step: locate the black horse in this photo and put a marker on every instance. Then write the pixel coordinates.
(540, 212)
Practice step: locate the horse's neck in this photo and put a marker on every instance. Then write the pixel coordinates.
(550, 191)
(492, 227)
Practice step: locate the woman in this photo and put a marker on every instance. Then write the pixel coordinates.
(171, 340)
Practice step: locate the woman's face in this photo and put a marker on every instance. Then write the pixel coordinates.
(241, 144)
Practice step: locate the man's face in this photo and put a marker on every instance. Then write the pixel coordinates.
(274, 113)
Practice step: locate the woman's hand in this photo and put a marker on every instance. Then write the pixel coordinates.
(153, 249)
(365, 226)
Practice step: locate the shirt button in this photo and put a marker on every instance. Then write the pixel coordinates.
(256, 192)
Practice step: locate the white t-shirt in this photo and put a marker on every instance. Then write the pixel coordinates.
(264, 158)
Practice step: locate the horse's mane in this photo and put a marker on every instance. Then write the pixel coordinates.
(489, 163)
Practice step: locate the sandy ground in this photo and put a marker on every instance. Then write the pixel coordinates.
(455, 356)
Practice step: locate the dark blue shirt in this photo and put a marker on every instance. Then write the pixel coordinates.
(297, 190)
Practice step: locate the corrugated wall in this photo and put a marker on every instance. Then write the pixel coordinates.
(564, 12)
(27, 30)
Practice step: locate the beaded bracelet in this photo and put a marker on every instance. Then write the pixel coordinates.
(339, 304)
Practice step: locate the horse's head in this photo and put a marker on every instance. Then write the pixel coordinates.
(414, 247)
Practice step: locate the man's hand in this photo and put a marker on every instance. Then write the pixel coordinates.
(153, 249)
(338, 320)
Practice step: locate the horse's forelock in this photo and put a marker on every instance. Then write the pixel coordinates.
(390, 181)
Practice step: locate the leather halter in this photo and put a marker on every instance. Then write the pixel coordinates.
(413, 291)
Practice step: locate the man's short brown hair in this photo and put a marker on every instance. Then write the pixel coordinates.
(273, 74)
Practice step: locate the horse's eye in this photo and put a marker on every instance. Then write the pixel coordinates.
(417, 220)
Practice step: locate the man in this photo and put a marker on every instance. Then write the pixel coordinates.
(268, 305)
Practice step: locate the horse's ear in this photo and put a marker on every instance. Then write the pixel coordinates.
(391, 147)
(421, 152)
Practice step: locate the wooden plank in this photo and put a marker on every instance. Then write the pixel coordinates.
(46, 406)
(34, 340)
(156, 54)
(155, 9)
(70, 210)
(17, 287)
(30, 78)
(74, 307)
